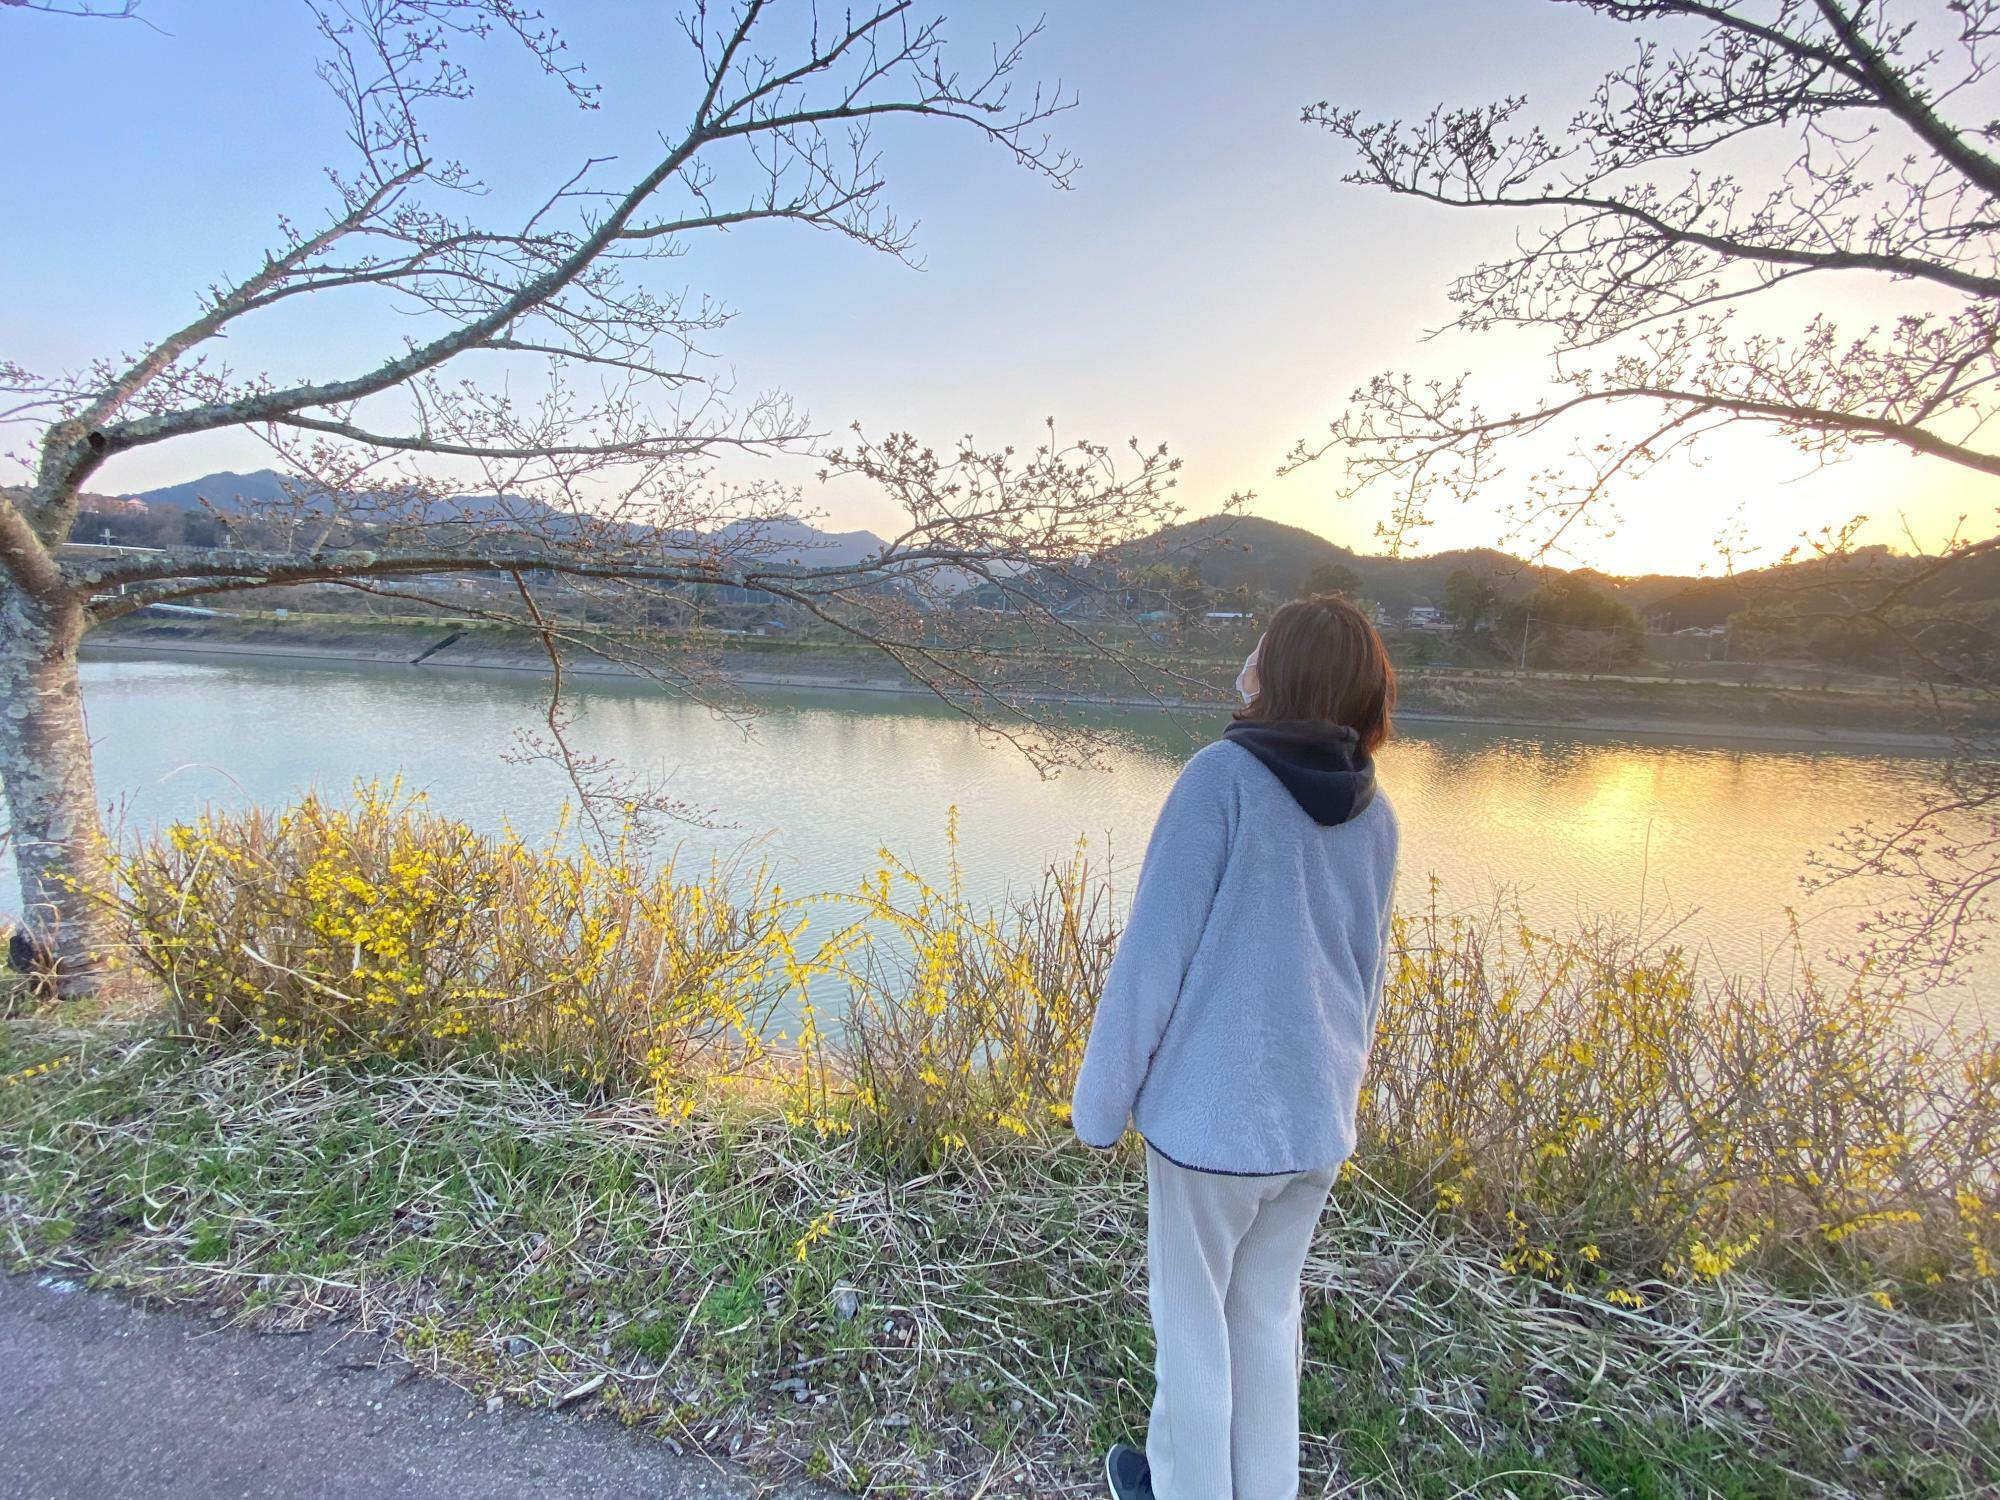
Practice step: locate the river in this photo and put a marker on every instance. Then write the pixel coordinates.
(1708, 838)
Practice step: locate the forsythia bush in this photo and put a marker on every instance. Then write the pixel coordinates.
(386, 930)
(1588, 1099)
(960, 1024)
(1599, 1109)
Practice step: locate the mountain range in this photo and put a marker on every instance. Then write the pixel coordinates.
(786, 539)
(226, 491)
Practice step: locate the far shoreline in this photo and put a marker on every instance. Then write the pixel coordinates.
(1669, 729)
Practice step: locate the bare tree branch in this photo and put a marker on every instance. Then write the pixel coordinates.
(89, 10)
(1745, 151)
(591, 519)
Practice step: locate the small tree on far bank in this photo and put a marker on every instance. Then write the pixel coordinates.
(1571, 623)
(537, 354)
(1592, 652)
(1681, 242)
(1754, 639)
(1334, 578)
(1470, 601)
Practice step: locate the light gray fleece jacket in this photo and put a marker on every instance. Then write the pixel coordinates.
(1236, 1021)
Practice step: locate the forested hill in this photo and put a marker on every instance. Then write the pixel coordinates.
(1860, 574)
(1276, 561)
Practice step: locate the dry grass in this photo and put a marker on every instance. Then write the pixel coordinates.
(700, 1267)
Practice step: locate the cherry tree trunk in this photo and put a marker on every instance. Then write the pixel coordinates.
(51, 791)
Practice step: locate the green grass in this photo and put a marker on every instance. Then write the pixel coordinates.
(519, 1243)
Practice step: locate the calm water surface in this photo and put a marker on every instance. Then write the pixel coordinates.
(1710, 837)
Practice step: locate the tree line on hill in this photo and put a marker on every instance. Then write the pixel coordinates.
(1494, 604)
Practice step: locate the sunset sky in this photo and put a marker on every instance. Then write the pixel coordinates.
(1208, 282)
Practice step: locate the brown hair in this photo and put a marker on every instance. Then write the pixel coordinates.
(1322, 659)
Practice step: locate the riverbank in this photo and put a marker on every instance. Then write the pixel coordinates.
(568, 1130)
(1647, 707)
(728, 1285)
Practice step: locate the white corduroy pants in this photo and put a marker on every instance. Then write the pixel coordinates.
(1223, 1258)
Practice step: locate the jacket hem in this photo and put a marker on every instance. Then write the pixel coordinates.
(1188, 1166)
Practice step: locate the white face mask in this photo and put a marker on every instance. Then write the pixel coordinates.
(1247, 684)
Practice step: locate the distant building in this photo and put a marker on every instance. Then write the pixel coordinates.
(1425, 617)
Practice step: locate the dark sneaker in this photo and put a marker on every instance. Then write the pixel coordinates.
(1127, 1474)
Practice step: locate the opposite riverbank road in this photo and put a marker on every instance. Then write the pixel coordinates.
(103, 1401)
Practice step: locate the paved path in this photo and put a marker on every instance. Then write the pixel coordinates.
(99, 1401)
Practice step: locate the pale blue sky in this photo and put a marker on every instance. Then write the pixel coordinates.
(1207, 282)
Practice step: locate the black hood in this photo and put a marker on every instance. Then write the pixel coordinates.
(1320, 764)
